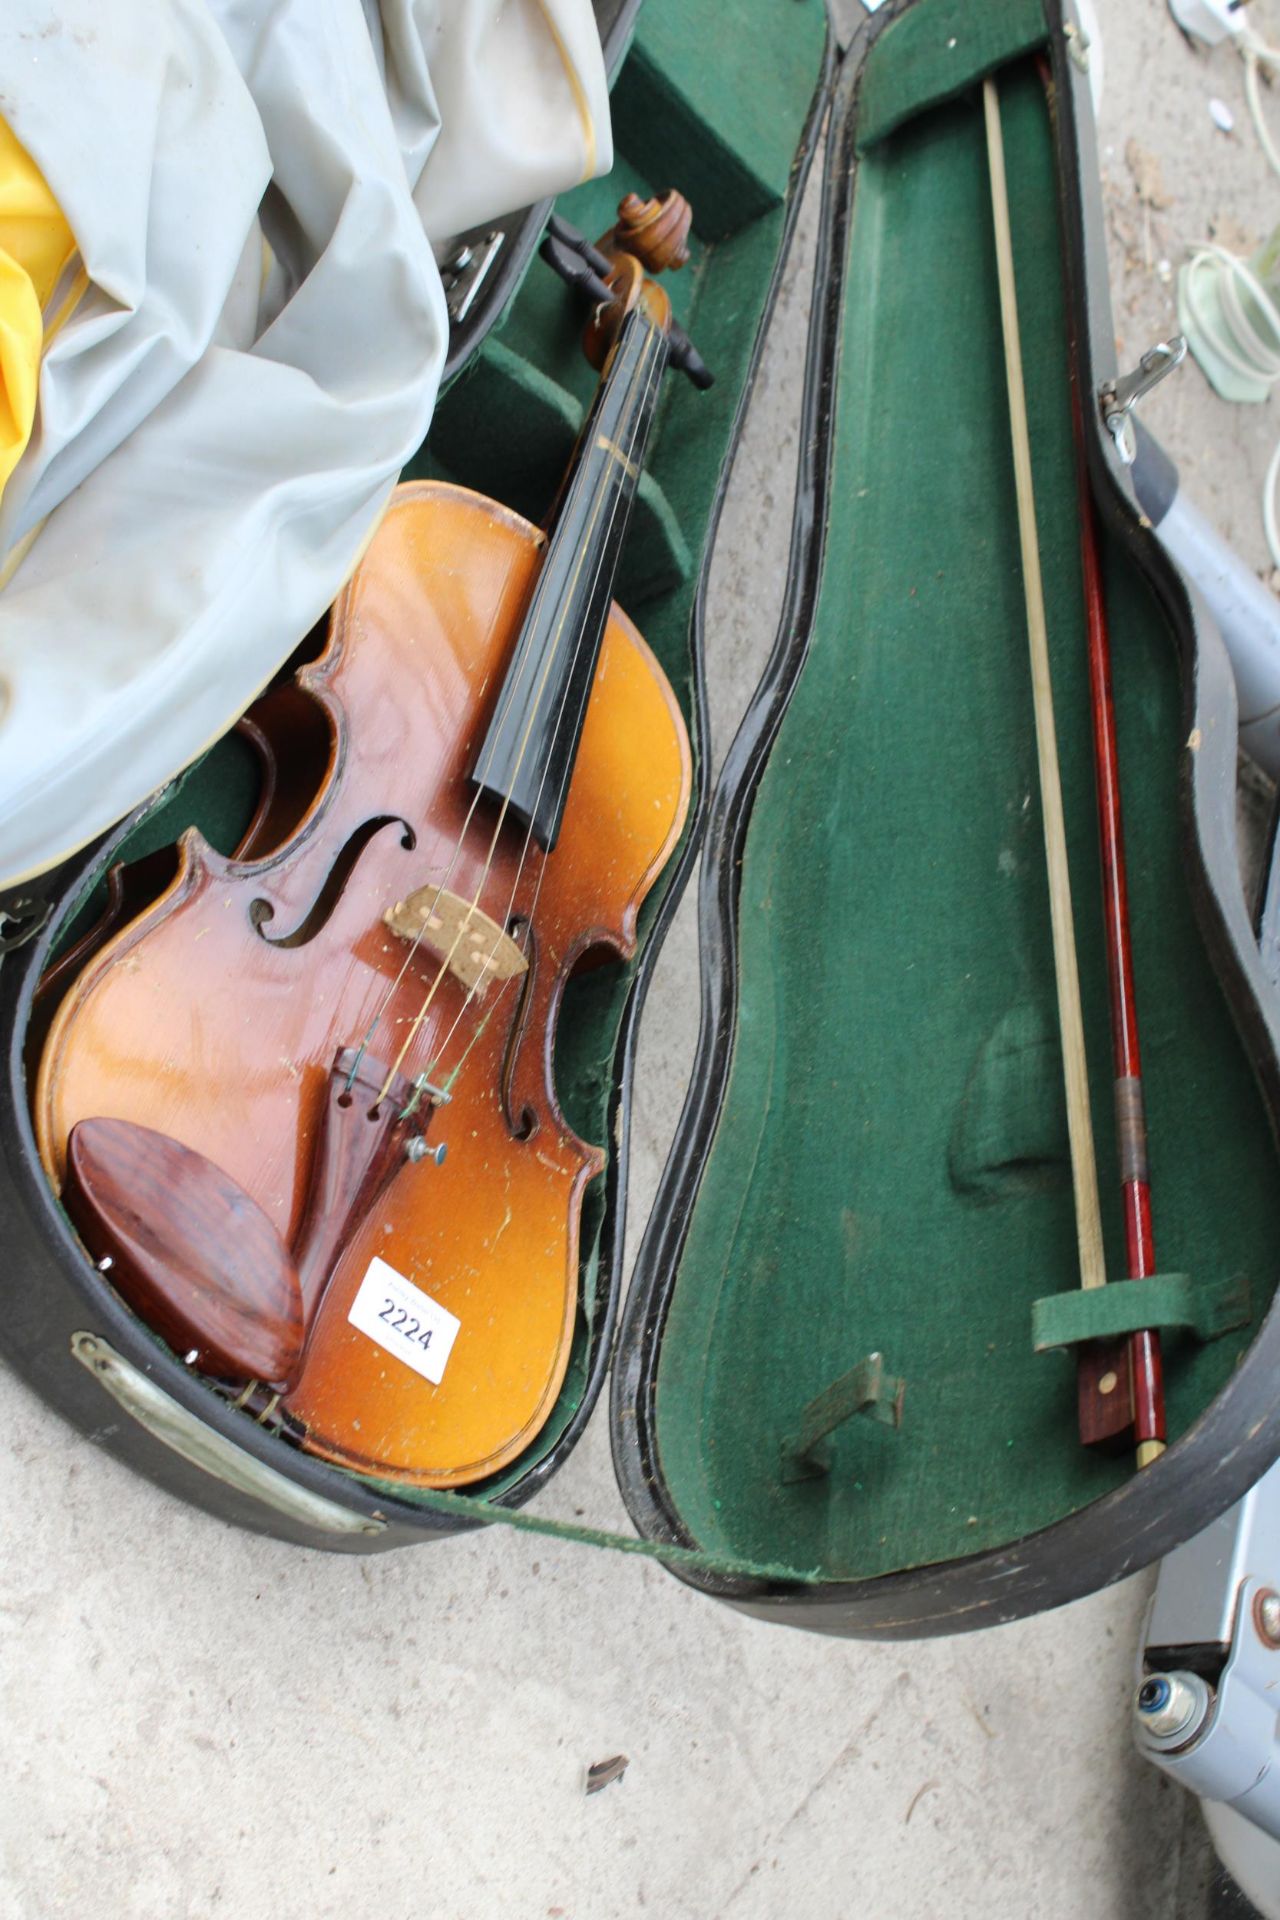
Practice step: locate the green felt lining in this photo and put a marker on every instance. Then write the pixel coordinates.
(934, 51)
(890, 1167)
(1165, 1300)
(717, 94)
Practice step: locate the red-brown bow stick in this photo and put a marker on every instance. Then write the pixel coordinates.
(1118, 1384)
(1146, 1373)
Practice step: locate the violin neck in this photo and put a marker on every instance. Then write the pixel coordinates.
(526, 759)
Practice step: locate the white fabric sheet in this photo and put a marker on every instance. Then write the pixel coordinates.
(254, 186)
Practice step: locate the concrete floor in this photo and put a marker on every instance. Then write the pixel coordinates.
(198, 1723)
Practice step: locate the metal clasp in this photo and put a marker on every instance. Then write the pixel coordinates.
(1118, 398)
(1078, 45)
(21, 920)
(465, 270)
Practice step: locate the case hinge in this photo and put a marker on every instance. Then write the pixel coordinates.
(465, 272)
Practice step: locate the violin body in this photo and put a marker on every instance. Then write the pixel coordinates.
(215, 1017)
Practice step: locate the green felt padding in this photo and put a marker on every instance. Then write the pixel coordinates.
(936, 50)
(1165, 1300)
(501, 424)
(709, 93)
(1010, 1125)
(890, 1169)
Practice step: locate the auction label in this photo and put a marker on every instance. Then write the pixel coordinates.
(404, 1321)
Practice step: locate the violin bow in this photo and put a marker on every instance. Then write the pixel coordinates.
(1103, 1368)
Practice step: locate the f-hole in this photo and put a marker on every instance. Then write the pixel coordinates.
(261, 911)
(523, 1124)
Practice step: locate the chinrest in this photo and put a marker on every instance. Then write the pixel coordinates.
(194, 1255)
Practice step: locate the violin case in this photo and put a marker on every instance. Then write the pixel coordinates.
(825, 1403)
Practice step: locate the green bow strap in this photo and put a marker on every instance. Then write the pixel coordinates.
(1206, 1308)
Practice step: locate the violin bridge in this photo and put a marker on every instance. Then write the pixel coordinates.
(475, 948)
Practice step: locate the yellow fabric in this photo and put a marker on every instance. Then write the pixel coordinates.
(35, 245)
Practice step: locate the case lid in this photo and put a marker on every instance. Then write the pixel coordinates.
(852, 1331)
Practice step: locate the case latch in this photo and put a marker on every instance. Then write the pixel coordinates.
(1119, 397)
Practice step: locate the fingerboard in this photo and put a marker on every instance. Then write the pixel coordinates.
(527, 757)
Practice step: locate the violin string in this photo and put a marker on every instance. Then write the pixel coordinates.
(397, 981)
(480, 981)
(446, 961)
(646, 353)
(507, 698)
(394, 985)
(508, 695)
(655, 376)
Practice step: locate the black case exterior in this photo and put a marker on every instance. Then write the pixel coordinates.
(1238, 1436)
(55, 1307)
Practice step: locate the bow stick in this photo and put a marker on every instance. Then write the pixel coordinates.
(1103, 1370)
(1145, 1369)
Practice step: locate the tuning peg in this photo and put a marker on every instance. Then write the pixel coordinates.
(584, 267)
(574, 269)
(686, 356)
(568, 236)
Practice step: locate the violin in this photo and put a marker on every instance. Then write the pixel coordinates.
(302, 1108)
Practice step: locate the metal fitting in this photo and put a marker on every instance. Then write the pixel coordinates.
(1078, 44)
(1171, 1707)
(417, 1150)
(438, 1095)
(1119, 397)
(1266, 1616)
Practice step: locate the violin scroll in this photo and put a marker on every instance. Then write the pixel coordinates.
(655, 232)
(651, 233)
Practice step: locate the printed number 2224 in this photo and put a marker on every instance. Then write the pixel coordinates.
(406, 1325)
